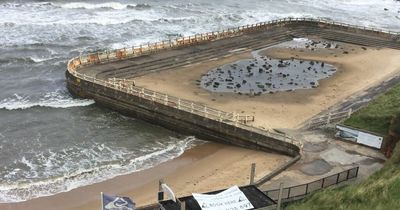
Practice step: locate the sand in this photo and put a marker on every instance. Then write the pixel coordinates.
(357, 71)
(204, 168)
(214, 166)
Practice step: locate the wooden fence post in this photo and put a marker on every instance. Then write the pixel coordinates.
(252, 173)
(350, 112)
(280, 196)
(329, 118)
(166, 99)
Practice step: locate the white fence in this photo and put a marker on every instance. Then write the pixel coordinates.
(124, 53)
(188, 106)
(232, 118)
(329, 118)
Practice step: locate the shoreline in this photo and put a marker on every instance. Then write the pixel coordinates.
(210, 166)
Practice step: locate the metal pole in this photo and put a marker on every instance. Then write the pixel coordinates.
(160, 195)
(252, 173)
(102, 200)
(183, 205)
(280, 196)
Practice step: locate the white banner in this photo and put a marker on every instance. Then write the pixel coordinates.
(361, 137)
(167, 190)
(369, 140)
(230, 199)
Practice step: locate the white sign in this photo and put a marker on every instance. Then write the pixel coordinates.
(362, 137)
(230, 199)
(369, 140)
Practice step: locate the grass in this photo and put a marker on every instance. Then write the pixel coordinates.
(382, 189)
(377, 115)
(379, 191)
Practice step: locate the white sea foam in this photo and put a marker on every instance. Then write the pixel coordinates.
(84, 5)
(87, 174)
(52, 99)
(39, 59)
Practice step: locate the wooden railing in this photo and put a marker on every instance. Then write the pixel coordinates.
(329, 118)
(124, 53)
(186, 105)
(181, 104)
(129, 87)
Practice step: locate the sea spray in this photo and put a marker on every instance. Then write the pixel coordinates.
(51, 99)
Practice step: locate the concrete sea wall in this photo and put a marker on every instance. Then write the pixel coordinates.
(220, 126)
(179, 120)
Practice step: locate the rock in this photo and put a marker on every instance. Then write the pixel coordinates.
(282, 65)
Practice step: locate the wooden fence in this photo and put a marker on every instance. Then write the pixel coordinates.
(329, 118)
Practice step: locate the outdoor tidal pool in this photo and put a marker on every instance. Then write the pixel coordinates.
(266, 75)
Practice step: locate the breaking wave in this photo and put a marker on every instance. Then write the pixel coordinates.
(53, 100)
(81, 173)
(106, 5)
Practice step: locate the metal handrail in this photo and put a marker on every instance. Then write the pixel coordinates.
(299, 191)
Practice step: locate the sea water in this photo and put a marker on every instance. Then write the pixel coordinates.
(51, 142)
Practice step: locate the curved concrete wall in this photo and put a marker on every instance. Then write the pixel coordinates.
(187, 122)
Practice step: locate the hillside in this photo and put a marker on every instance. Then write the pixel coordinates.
(382, 189)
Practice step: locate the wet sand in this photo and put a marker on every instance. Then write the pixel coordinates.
(207, 167)
(358, 69)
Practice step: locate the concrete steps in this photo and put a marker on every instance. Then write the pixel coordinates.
(178, 57)
(196, 56)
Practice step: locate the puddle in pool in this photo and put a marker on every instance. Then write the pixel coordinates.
(266, 75)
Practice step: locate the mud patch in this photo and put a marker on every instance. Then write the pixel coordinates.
(316, 167)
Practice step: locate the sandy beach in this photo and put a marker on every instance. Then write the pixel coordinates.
(207, 167)
(357, 69)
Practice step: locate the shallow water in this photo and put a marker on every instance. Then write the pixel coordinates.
(47, 136)
(266, 75)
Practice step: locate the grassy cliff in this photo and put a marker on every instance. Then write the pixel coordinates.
(379, 191)
(377, 115)
(382, 189)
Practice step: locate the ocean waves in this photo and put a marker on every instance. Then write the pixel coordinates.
(75, 5)
(53, 100)
(106, 5)
(52, 172)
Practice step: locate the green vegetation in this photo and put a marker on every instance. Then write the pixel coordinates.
(377, 115)
(379, 191)
(382, 189)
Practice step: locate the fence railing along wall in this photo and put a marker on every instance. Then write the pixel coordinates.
(125, 53)
(299, 191)
(329, 118)
(118, 54)
(185, 105)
